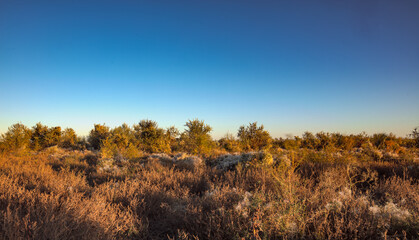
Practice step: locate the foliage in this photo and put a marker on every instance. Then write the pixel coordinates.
(17, 138)
(415, 136)
(320, 186)
(68, 139)
(43, 137)
(310, 141)
(288, 143)
(254, 137)
(147, 136)
(72, 194)
(229, 143)
(196, 137)
(120, 143)
(172, 135)
(343, 142)
(151, 138)
(53, 136)
(97, 135)
(38, 137)
(261, 159)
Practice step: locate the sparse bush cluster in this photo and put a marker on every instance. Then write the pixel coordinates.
(148, 137)
(145, 182)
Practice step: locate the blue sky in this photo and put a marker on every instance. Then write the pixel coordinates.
(336, 66)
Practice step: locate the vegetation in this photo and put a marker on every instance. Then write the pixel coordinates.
(254, 138)
(145, 182)
(196, 138)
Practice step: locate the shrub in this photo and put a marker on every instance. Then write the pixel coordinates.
(254, 137)
(324, 141)
(97, 135)
(415, 136)
(196, 138)
(229, 143)
(111, 149)
(151, 138)
(343, 142)
(290, 143)
(43, 137)
(172, 134)
(68, 139)
(309, 141)
(16, 139)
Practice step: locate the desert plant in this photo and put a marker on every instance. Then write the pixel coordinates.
(97, 135)
(17, 138)
(196, 137)
(229, 143)
(68, 139)
(310, 141)
(150, 137)
(415, 136)
(43, 137)
(254, 137)
(172, 135)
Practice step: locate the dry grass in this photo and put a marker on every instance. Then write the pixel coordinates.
(59, 194)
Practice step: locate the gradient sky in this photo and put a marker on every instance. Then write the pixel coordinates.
(336, 66)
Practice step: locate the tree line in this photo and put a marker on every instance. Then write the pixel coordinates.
(147, 136)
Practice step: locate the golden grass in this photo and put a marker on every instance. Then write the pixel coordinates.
(59, 194)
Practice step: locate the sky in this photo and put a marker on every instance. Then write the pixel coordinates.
(293, 66)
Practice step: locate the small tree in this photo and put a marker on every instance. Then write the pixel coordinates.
(151, 138)
(415, 136)
(16, 138)
(343, 142)
(38, 138)
(229, 143)
(53, 136)
(120, 142)
(43, 137)
(196, 138)
(172, 135)
(254, 137)
(310, 141)
(97, 135)
(324, 141)
(68, 138)
(124, 130)
(289, 143)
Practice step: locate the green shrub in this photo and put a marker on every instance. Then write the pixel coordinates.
(151, 138)
(415, 136)
(68, 139)
(97, 135)
(17, 138)
(121, 142)
(196, 138)
(43, 137)
(254, 137)
(229, 143)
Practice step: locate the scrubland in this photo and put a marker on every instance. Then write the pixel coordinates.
(144, 182)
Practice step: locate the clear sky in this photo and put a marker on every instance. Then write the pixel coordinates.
(336, 66)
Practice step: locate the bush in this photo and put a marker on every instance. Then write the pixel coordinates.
(120, 142)
(254, 137)
(196, 138)
(43, 137)
(97, 135)
(151, 138)
(17, 138)
(288, 143)
(415, 136)
(229, 143)
(68, 139)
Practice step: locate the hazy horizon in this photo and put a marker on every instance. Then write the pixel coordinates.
(311, 66)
